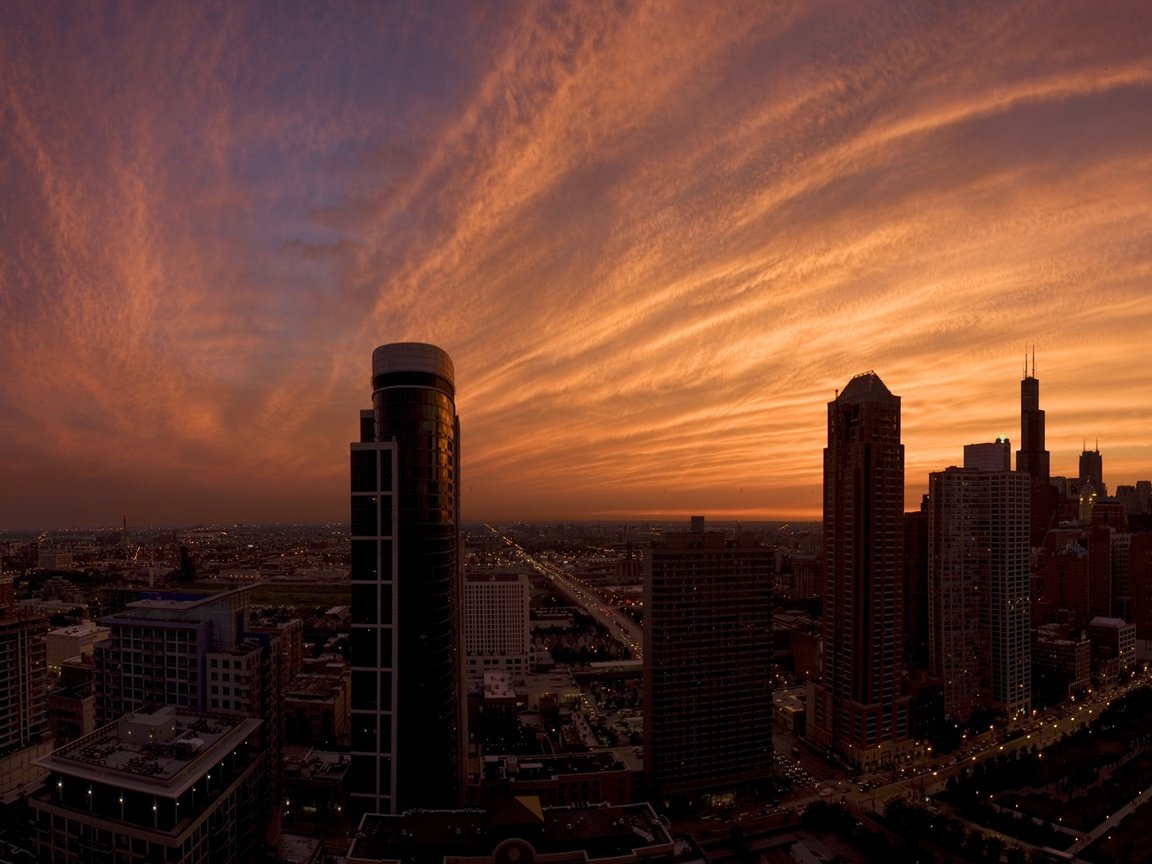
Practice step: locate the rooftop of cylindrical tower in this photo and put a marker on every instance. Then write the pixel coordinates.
(412, 357)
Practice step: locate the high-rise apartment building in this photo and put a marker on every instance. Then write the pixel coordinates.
(859, 709)
(707, 656)
(979, 609)
(407, 681)
(23, 673)
(497, 635)
(194, 652)
(157, 653)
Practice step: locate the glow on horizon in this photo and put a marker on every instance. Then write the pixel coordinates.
(655, 239)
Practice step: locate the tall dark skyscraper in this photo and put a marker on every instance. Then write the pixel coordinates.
(407, 682)
(859, 709)
(1092, 470)
(1032, 459)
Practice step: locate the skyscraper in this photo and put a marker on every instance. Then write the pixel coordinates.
(406, 587)
(707, 656)
(859, 710)
(1033, 459)
(979, 608)
(1092, 470)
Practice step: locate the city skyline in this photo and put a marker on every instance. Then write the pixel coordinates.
(654, 239)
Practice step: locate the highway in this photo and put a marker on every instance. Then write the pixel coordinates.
(579, 593)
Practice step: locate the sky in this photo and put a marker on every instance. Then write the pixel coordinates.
(655, 238)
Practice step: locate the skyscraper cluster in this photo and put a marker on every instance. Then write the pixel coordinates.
(1010, 588)
(1014, 564)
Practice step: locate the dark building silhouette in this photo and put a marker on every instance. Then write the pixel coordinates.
(1033, 459)
(406, 588)
(916, 587)
(1092, 470)
(979, 614)
(860, 710)
(1140, 584)
(707, 658)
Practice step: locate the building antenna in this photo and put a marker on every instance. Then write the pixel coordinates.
(1033, 359)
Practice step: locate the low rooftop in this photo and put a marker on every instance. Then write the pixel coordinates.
(601, 832)
(164, 752)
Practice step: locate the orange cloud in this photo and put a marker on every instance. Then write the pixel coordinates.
(655, 240)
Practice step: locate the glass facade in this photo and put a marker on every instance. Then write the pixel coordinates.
(406, 653)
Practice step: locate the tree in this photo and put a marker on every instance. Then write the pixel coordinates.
(974, 844)
(993, 848)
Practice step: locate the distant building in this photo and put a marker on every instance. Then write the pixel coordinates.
(72, 705)
(171, 786)
(1113, 648)
(67, 642)
(707, 656)
(317, 709)
(314, 791)
(289, 633)
(1092, 470)
(1033, 458)
(1065, 585)
(858, 708)
(992, 456)
(802, 577)
(497, 632)
(1061, 662)
(51, 559)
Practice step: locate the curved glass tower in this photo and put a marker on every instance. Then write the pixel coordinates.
(406, 587)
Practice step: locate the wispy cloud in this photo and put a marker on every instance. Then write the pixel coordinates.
(655, 237)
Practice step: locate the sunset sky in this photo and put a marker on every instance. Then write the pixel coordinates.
(655, 237)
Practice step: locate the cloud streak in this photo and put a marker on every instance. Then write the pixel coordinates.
(655, 237)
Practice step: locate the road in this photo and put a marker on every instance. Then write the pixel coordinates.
(619, 626)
